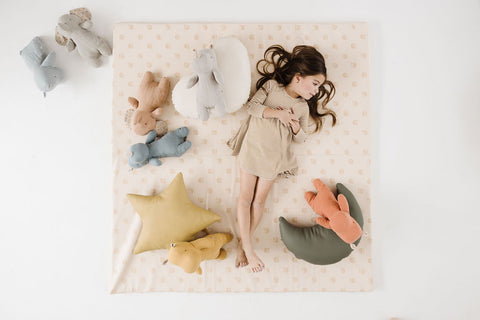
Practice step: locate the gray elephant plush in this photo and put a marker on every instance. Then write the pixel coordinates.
(73, 32)
(46, 76)
(210, 97)
(172, 144)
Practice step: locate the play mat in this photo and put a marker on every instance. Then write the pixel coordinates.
(338, 154)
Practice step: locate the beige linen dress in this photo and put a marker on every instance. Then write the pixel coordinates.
(263, 144)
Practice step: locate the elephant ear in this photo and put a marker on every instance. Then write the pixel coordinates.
(86, 24)
(128, 117)
(82, 13)
(199, 270)
(61, 40)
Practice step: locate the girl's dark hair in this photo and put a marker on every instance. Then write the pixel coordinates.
(306, 61)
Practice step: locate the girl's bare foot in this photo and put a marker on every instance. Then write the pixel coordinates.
(255, 263)
(241, 260)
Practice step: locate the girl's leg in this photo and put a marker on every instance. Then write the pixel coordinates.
(261, 192)
(245, 198)
(258, 205)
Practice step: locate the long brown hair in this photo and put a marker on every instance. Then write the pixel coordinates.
(306, 61)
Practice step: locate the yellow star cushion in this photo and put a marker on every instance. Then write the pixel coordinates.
(169, 217)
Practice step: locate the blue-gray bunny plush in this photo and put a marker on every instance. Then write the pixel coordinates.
(172, 144)
(210, 97)
(46, 76)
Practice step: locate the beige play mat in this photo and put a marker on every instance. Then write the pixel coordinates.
(339, 154)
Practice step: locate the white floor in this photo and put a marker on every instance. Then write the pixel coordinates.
(55, 184)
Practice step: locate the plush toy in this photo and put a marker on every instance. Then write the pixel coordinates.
(172, 144)
(317, 244)
(73, 32)
(234, 66)
(161, 126)
(46, 76)
(189, 255)
(210, 97)
(334, 214)
(169, 216)
(148, 105)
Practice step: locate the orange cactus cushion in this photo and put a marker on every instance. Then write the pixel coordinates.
(334, 214)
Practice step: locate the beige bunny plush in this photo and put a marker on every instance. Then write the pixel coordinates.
(148, 103)
(73, 32)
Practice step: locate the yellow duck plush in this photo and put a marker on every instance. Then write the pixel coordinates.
(189, 255)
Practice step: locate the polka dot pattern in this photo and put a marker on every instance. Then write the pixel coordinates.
(338, 154)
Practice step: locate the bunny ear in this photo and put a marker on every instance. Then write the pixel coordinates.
(343, 203)
(133, 102)
(218, 77)
(82, 13)
(192, 81)
(61, 40)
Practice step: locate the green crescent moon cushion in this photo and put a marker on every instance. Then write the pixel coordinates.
(317, 244)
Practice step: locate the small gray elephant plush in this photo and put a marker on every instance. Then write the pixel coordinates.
(73, 32)
(210, 97)
(46, 76)
(172, 144)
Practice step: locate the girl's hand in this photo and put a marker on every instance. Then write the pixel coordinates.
(285, 116)
(294, 123)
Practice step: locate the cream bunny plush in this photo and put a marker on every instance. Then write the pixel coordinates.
(73, 32)
(210, 97)
(233, 65)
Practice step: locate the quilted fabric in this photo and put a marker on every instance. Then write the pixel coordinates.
(338, 154)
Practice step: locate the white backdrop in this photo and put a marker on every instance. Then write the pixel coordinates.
(55, 163)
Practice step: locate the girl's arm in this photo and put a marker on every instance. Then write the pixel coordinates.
(285, 116)
(301, 135)
(255, 106)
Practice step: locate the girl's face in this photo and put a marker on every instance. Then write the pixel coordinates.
(308, 86)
